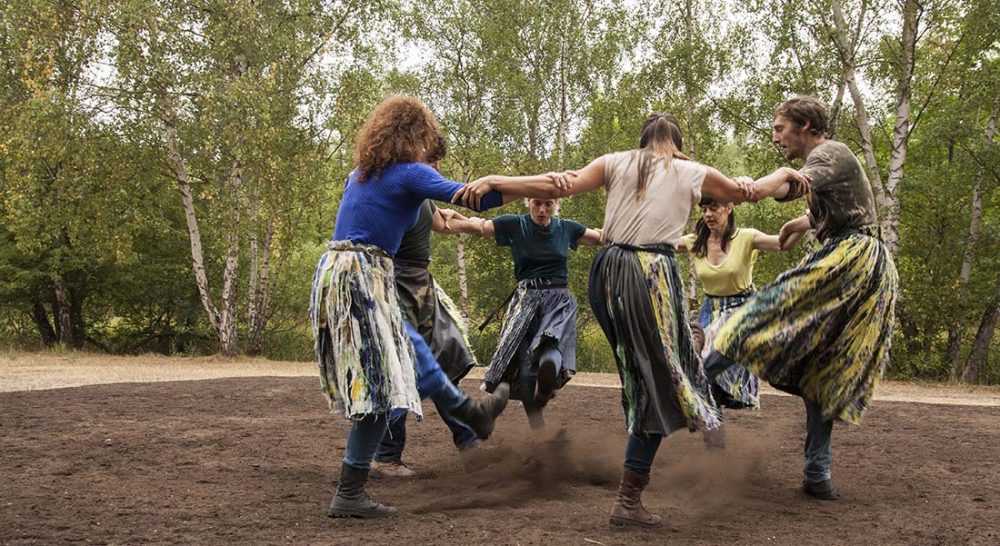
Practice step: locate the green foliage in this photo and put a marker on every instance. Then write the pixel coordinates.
(91, 224)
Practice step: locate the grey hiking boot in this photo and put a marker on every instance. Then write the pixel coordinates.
(352, 501)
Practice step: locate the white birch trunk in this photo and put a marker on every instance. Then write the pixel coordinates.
(228, 313)
(194, 234)
(846, 52)
(260, 298)
(463, 280)
(901, 129)
(563, 106)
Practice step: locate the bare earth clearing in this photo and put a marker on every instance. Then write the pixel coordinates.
(50, 371)
(147, 458)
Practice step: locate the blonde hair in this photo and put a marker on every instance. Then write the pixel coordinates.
(527, 202)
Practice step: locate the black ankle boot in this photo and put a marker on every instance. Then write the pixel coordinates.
(352, 501)
(545, 384)
(481, 415)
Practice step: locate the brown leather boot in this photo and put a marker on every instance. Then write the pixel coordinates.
(628, 509)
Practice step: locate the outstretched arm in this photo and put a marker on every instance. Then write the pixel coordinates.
(541, 186)
(592, 237)
(588, 178)
(722, 188)
(452, 221)
(763, 241)
(472, 226)
(784, 184)
(551, 185)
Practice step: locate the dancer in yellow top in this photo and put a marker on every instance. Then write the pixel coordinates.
(723, 257)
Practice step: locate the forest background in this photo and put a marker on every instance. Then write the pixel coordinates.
(170, 170)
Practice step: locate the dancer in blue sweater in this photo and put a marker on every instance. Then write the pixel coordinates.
(371, 361)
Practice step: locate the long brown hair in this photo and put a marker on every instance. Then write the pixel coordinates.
(660, 140)
(702, 231)
(400, 129)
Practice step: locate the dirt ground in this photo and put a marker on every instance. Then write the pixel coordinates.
(36, 371)
(255, 460)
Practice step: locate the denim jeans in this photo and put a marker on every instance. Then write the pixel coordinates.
(640, 451)
(390, 449)
(817, 450)
(366, 434)
(394, 442)
(461, 435)
(363, 440)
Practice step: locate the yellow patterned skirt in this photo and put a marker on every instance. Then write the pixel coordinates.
(823, 329)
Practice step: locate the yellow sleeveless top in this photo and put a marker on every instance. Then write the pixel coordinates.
(735, 273)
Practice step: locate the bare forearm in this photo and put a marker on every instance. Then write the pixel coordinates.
(592, 237)
(800, 224)
(774, 184)
(763, 241)
(724, 189)
(784, 184)
(536, 186)
(470, 226)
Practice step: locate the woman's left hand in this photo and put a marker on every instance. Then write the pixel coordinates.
(471, 195)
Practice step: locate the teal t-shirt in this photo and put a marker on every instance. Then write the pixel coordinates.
(539, 252)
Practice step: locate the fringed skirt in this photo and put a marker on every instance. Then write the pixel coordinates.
(637, 296)
(428, 308)
(366, 360)
(735, 388)
(533, 316)
(821, 330)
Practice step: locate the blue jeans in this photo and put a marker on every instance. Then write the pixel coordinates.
(363, 440)
(818, 437)
(640, 451)
(394, 442)
(390, 449)
(367, 433)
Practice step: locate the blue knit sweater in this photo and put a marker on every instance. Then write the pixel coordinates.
(378, 211)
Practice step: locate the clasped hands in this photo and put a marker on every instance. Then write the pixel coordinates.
(753, 191)
(471, 194)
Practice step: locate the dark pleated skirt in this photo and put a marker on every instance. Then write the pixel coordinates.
(638, 298)
(533, 316)
(428, 309)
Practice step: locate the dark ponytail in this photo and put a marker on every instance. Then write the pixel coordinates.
(660, 140)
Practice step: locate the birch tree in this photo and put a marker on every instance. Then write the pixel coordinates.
(223, 84)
